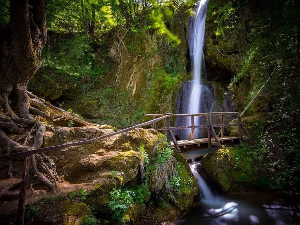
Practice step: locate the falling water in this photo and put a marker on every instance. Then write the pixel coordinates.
(207, 195)
(196, 42)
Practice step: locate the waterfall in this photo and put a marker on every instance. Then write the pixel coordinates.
(207, 195)
(196, 42)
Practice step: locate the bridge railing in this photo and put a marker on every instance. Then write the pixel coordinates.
(213, 120)
(12, 156)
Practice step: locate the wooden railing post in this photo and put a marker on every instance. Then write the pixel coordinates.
(170, 134)
(192, 134)
(222, 127)
(168, 127)
(240, 128)
(212, 132)
(23, 191)
(208, 130)
(154, 123)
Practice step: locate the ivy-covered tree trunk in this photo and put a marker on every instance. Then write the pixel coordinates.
(21, 45)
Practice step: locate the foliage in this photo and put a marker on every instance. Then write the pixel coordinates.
(273, 53)
(4, 13)
(164, 154)
(96, 16)
(120, 201)
(81, 194)
(158, 21)
(181, 181)
(181, 186)
(73, 56)
(89, 220)
(32, 211)
(141, 194)
(164, 86)
(70, 123)
(144, 156)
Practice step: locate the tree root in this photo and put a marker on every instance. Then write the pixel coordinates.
(38, 112)
(36, 161)
(8, 144)
(21, 132)
(11, 127)
(43, 105)
(52, 113)
(5, 192)
(42, 178)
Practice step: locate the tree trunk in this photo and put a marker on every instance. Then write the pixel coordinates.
(21, 44)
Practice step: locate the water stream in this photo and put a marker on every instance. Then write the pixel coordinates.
(239, 208)
(207, 194)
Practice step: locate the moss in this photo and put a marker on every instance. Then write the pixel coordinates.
(75, 212)
(79, 209)
(167, 213)
(125, 162)
(231, 169)
(131, 214)
(163, 91)
(183, 187)
(219, 164)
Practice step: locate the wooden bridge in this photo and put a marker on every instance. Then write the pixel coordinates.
(209, 123)
(212, 138)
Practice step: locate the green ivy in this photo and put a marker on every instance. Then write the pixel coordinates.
(90, 220)
(81, 194)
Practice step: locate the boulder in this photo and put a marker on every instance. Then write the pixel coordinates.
(222, 166)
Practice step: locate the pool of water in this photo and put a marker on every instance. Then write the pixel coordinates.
(242, 209)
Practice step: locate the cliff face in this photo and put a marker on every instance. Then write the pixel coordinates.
(133, 71)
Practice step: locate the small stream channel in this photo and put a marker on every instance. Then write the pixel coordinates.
(236, 208)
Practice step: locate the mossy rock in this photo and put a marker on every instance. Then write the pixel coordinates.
(68, 163)
(125, 162)
(123, 168)
(222, 166)
(75, 212)
(132, 214)
(138, 137)
(99, 195)
(166, 213)
(57, 210)
(219, 165)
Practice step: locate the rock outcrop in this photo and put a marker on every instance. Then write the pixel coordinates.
(232, 172)
(115, 163)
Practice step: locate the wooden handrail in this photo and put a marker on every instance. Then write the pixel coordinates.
(13, 156)
(196, 114)
(209, 125)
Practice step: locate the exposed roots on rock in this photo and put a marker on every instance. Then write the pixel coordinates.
(5, 193)
(22, 127)
(21, 132)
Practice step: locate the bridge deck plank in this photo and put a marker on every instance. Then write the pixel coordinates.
(198, 142)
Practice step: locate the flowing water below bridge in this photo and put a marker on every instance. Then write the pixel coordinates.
(237, 208)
